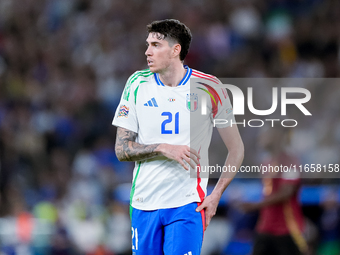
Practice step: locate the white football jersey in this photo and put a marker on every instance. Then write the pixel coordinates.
(172, 115)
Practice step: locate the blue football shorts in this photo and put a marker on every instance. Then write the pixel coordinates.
(173, 231)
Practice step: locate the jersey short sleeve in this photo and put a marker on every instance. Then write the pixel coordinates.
(224, 109)
(125, 115)
(220, 105)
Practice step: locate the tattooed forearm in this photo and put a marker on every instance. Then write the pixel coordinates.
(129, 150)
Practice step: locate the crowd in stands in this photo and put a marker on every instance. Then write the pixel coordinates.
(63, 67)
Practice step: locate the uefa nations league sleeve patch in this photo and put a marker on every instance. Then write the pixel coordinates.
(123, 111)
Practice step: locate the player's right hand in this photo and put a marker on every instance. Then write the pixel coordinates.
(180, 153)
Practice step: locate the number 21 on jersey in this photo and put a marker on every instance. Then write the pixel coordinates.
(164, 128)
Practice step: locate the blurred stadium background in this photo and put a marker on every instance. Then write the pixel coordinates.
(63, 66)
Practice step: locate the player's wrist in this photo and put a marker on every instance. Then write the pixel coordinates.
(160, 149)
(216, 194)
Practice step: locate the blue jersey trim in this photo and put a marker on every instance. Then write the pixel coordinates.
(182, 82)
(186, 76)
(158, 81)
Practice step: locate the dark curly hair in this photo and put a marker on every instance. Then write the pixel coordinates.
(173, 29)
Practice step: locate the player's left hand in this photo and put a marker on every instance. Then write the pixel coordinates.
(210, 204)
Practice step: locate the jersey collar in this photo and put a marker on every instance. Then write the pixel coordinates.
(182, 82)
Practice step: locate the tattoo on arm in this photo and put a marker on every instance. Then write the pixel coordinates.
(129, 150)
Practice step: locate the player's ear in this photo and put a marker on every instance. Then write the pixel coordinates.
(176, 50)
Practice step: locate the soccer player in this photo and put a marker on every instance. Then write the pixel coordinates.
(161, 128)
(281, 222)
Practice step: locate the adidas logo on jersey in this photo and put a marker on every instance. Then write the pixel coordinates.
(151, 103)
(189, 253)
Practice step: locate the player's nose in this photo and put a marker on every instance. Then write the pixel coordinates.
(148, 52)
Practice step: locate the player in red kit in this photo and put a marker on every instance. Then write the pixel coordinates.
(280, 224)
